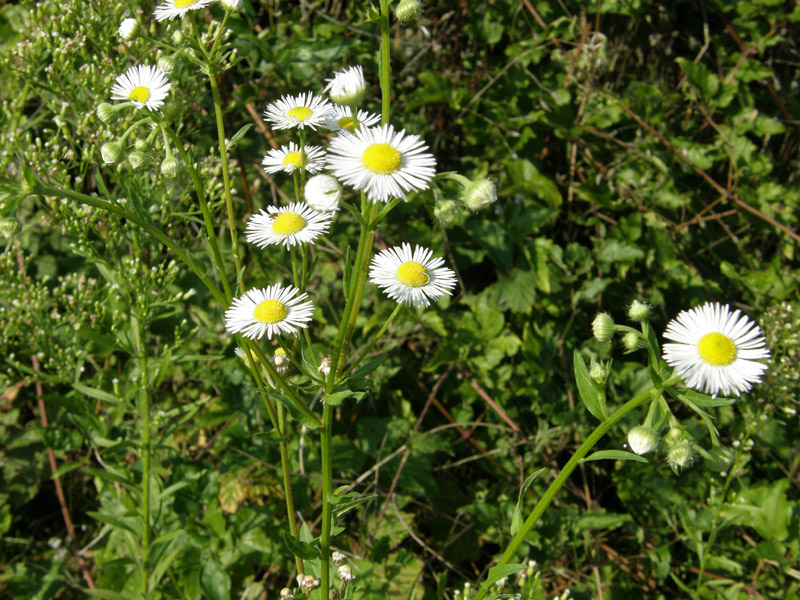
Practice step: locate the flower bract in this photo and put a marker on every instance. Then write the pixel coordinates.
(305, 110)
(381, 161)
(290, 158)
(715, 350)
(411, 277)
(291, 225)
(271, 310)
(143, 85)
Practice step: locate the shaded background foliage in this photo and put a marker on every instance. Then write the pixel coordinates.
(641, 150)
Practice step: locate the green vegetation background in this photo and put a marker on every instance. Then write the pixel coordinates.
(641, 150)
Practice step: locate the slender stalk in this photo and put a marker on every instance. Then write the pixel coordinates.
(223, 155)
(385, 65)
(201, 197)
(566, 471)
(327, 490)
(374, 341)
(144, 411)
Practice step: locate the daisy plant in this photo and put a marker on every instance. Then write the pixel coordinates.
(712, 349)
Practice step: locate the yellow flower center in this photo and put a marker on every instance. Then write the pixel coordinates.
(293, 158)
(301, 113)
(381, 158)
(346, 123)
(280, 352)
(717, 349)
(183, 3)
(288, 223)
(140, 94)
(413, 274)
(270, 311)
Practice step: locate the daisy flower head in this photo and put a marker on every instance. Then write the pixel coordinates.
(381, 161)
(341, 119)
(271, 310)
(143, 85)
(411, 277)
(305, 110)
(177, 8)
(290, 158)
(715, 350)
(347, 87)
(290, 225)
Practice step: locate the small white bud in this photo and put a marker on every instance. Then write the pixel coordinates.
(322, 193)
(111, 153)
(642, 440)
(479, 195)
(347, 87)
(128, 29)
(603, 327)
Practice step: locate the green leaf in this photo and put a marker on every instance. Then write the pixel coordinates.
(70, 466)
(497, 572)
(113, 521)
(239, 135)
(336, 398)
(516, 518)
(591, 393)
(95, 393)
(98, 593)
(113, 478)
(614, 455)
(344, 507)
(304, 550)
(602, 520)
(298, 413)
(214, 580)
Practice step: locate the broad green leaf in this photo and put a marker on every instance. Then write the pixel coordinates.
(497, 572)
(216, 583)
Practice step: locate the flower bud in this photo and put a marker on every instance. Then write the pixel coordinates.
(680, 456)
(338, 558)
(603, 327)
(408, 10)
(106, 113)
(140, 144)
(325, 366)
(166, 63)
(479, 194)
(322, 193)
(177, 37)
(128, 29)
(286, 594)
(233, 5)
(347, 87)
(111, 153)
(446, 211)
(170, 167)
(598, 371)
(638, 311)
(345, 573)
(137, 159)
(642, 440)
(8, 227)
(631, 341)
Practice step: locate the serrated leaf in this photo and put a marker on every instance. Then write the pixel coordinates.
(591, 393)
(516, 518)
(614, 455)
(300, 549)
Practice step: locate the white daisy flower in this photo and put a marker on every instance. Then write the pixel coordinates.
(291, 225)
(340, 118)
(177, 8)
(233, 4)
(716, 350)
(384, 163)
(322, 193)
(272, 310)
(290, 158)
(305, 110)
(348, 86)
(143, 85)
(411, 277)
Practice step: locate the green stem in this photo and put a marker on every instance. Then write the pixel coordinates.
(223, 155)
(385, 66)
(43, 189)
(562, 477)
(327, 490)
(201, 197)
(144, 410)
